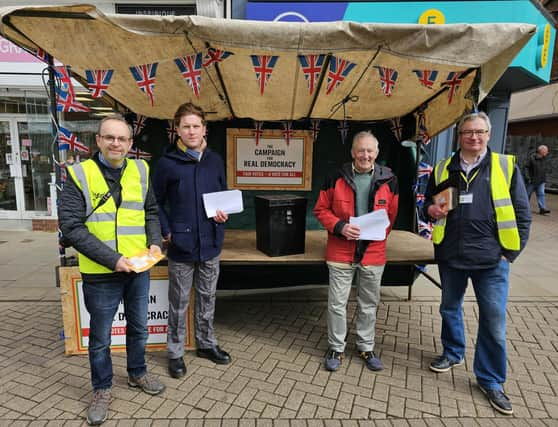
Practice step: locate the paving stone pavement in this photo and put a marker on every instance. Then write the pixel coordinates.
(277, 341)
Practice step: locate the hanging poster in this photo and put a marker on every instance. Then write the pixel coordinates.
(271, 161)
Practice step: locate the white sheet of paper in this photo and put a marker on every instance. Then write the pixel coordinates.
(229, 201)
(373, 225)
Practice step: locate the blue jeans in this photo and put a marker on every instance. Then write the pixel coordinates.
(491, 290)
(540, 193)
(101, 301)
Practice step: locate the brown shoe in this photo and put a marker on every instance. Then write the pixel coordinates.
(148, 383)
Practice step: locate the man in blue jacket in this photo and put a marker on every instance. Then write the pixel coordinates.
(186, 171)
(477, 240)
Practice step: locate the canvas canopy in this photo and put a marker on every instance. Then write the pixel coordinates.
(360, 71)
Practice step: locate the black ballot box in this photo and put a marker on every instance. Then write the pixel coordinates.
(280, 224)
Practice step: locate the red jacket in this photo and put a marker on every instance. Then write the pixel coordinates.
(336, 204)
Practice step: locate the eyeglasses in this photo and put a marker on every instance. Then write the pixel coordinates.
(477, 132)
(111, 139)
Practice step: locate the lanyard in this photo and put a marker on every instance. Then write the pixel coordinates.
(469, 180)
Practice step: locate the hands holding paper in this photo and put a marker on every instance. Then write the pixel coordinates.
(351, 231)
(221, 203)
(220, 216)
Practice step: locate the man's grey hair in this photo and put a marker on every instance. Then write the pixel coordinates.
(542, 147)
(119, 118)
(472, 116)
(365, 134)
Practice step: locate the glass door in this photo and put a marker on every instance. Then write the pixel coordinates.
(8, 171)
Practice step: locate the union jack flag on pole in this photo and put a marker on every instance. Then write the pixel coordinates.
(426, 77)
(397, 128)
(68, 141)
(63, 74)
(65, 101)
(144, 75)
(214, 56)
(453, 81)
(388, 77)
(98, 81)
(424, 170)
(191, 68)
(339, 69)
(423, 134)
(312, 68)
(263, 66)
(136, 153)
(288, 131)
(257, 131)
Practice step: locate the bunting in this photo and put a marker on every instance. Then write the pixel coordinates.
(98, 81)
(144, 75)
(425, 229)
(423, 134)
(171, 131)
(343, 128)
(42, 55)
(62, 73)
(257, 132)
(136, 153)
(263, 67)
(67, 103)
(426, 77)
(138, 123)
(339, 69)
(190, 68)
(69, 141)
(388, 77)
(454, 80)
(214, 56)
(397, 128)
(312, 68)
(315, 128)
(287, 131)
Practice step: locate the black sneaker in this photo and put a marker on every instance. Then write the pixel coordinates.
(443, 364)
(544, 211)
(498, 400)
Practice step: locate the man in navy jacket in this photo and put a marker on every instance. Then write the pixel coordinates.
(186, 171)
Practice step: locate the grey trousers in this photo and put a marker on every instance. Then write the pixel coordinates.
(203, 275)
(368, 280)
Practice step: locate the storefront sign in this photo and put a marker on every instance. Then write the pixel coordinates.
(269, 162)
(76, 317)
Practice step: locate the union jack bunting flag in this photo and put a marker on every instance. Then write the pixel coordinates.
(62, 73)
(420, 199)
(288, 131)
(315, 128)
(65, 101)
(138, 123)
(453, 81)
(388, 77)
(257, 131)
(425, 229)
(191, 68)
(144, 75)
(343, 127)
(136, 153)
(263, 66)
(339, 69)
(68, 141)
(312, 68)
(214, 56)
(171, 131)
(42, 55)
(423, 134)
(397, 128)
(98, 81)
(426, 77)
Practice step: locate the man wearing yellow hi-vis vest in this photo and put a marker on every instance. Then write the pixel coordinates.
(478, 204)
(108, 212)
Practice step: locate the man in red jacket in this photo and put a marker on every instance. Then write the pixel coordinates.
(357, 188)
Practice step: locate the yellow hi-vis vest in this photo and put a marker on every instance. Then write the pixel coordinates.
(123, 230)
(501, 171)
